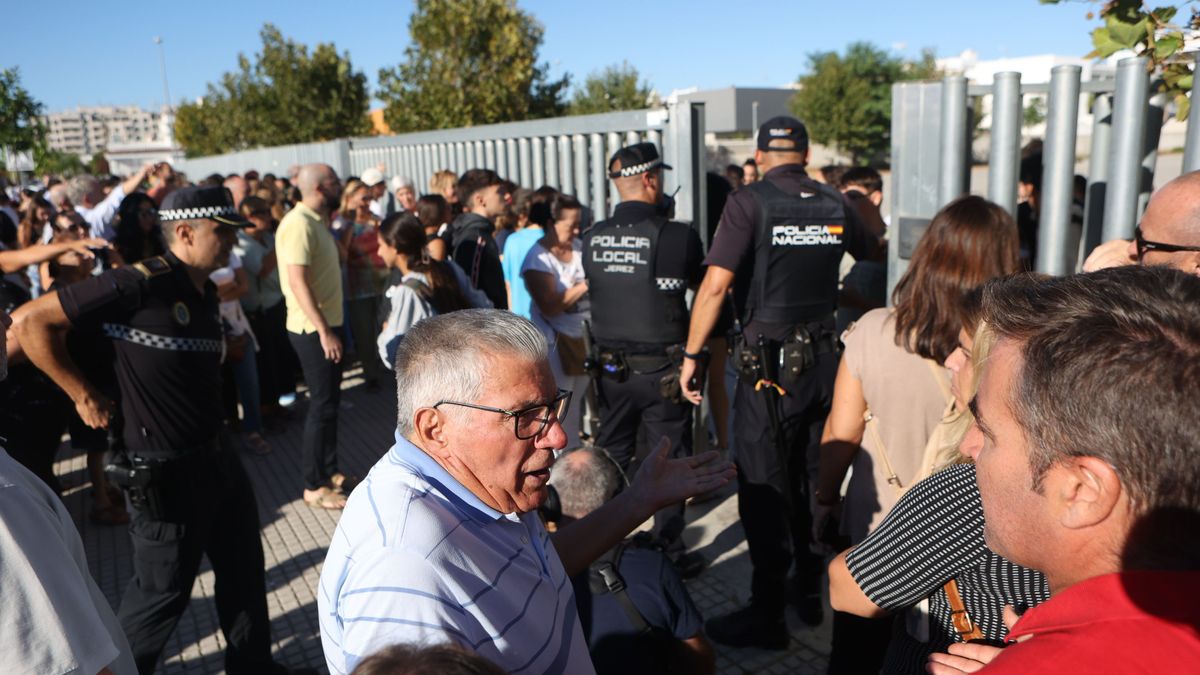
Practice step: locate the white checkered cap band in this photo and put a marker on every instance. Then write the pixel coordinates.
(197, 212)
(670, 284)
(635, 169)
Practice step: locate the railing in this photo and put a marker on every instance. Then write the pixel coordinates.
(567, 153)
(932, 156)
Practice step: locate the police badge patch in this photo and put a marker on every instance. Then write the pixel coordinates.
(181, 314)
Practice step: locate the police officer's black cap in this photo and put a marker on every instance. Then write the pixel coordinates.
(634, 159)
(783, 128)
(194, 203)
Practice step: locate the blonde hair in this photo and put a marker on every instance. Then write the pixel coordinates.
(958, 422)
(353, 185)
(444, 182)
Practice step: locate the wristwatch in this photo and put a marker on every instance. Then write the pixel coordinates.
(699, 356)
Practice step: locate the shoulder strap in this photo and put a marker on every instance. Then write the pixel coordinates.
(963, 625)
(616, 585)
(152, 267)
(422, 289)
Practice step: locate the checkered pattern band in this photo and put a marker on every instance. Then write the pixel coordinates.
(173, 344)
(197, 212)
(671, 284)
(635, 169)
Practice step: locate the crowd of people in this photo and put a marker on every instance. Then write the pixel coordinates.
(999, 464)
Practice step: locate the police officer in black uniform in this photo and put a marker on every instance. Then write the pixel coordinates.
(778, 247)
(639, 265)
(189, 493)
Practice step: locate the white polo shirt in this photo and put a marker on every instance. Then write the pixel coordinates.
(418, 559)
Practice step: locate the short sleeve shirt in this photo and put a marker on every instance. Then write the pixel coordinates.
(53, 618)
(304, 239)
(566, 275)
(934, 534)
(169, 343)
(264, 291)
(418, 559)
(656, 590)
(733, 244)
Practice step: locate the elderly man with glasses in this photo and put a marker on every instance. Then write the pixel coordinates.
(442, 542)
(1169, 233)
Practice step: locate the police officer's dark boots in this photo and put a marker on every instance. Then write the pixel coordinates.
(749, 627)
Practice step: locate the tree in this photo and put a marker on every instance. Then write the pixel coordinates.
(614, 88)
(846, 101)
(1129, 24)
(286, 95)
(57, 163)
(21, 128)
(469, 62)
(1034, 113)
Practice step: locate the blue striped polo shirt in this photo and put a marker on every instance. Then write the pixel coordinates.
(418, 559)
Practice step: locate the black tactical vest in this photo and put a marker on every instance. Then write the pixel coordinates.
(627, 303)
(798, 246)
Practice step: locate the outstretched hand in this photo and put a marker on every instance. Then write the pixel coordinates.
(662, 481)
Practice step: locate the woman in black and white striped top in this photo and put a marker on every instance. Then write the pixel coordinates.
(932, 535)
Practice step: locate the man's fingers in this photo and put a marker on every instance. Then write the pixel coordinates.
(974, 652)
(1010, 617)
(950, 664)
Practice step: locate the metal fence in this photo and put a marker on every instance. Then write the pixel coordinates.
(932, 156)
(567, 153)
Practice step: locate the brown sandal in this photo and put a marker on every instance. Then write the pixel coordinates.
(343, 484)
(325, 498)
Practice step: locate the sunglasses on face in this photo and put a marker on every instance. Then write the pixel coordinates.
(1143, 245)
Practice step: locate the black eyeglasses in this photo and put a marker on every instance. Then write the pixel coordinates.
(527, 422)
(1143, 245)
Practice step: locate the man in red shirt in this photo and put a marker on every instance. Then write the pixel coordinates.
(1089, 469)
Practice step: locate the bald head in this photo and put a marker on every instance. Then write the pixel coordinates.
(237, 187)
(319, 187)
(1173, 214)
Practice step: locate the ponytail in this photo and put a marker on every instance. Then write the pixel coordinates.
(403, 232)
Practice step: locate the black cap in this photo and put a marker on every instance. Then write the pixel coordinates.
(635, 159)
(783, 128)
(190, 203)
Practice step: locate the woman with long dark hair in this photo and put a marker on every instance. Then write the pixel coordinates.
(138, 230)
(892, 390)
(427, 287)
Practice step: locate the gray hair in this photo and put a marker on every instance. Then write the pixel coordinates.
(79, 187)
(585, 479)
(445, 357)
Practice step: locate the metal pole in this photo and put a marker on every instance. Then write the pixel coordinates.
(954, 136)
(580, 152)
(524, 164)
(754, 117)
(1129, 123)
(1191, 149)
(565, 165)
(599, 175)
(1155, 111)
(1054, 256)
(1004, 161)
(552, 175)
(538, 151)
(1098, 165)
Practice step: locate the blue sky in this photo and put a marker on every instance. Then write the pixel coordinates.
(84, 52)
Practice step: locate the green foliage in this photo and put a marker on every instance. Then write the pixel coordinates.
(1149, 32)
(1034, 113)
(846, 100)
(286, 95)
(21, 128)
(469, 62)
(614, 88)
(56, 162)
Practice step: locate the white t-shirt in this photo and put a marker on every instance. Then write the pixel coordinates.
(566, 275)
(53, 618)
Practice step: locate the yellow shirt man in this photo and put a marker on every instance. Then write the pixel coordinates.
(304, 239)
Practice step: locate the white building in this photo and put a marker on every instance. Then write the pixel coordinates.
(126, 157)
(87, 131)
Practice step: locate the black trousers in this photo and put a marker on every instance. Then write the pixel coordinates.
(626, 408)
(215, 514)
(275, 359)
(779, 531)
(324, 380)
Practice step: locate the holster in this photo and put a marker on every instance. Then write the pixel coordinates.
(612, 364)
(142, 480)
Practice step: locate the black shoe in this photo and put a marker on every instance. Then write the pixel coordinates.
(689, 565)
(748, 627)
(806, 599)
